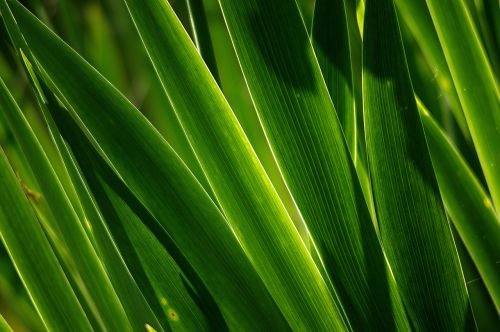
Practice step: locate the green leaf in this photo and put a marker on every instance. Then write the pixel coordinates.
(484, 310)
(81, 256)
(475, 82)
(418, 19)
(332, 38)
(171, 286)
(4, 326)
(337, 45)
(414, 230)
(134, 303)
(156, 176)
(33, 258)
(468, 205)
(236, 176)
(157, 274)
(300, 121)
(201, 35)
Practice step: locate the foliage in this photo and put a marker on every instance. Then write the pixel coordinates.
(193, 165)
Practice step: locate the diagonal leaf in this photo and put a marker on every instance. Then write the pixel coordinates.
(236, 176)
(34, 259)
(337, 45)
(157, 274)
(300, 121)
(4, 326)
(468, 205)
(418, 19)
(201, 34)
(475, 83)
(484, 310)
(414, 230)
(66, 224)
(170, 285)
(173, 196)
(332, 38)
(134, 304)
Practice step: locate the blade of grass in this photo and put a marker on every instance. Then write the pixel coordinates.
(414, 230)
(483, 307)
(171, 286)
(36, 264)
(477, 10)
(301, 124)
(154, 269)
(418, 19)
(236, 176)
(332, 38)
(134, 304)
(467, 203)
(4, 326)
(475, 83)
(201, 35)
(65, 223)
(337, 45)
(173, 196)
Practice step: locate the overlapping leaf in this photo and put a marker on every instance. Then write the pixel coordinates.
(34, 259)
(414, 230)
(475, 83)
(303, 129)
(236, 176)
(156, 176)
(416, 15)
(468, 205)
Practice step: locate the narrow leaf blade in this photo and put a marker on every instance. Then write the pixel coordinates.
(236, 176)
(36, 263)
(468, 205)
(414, 230)
(136, 151)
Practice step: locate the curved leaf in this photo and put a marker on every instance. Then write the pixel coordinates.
(417, 17)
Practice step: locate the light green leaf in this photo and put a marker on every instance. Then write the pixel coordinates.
(414, 230)
(475, 83)
(33, 258)
(468, 205)
(156, 176)
(236, 176)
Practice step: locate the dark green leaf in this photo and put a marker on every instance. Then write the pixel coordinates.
(414, 230)
(468, 205)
